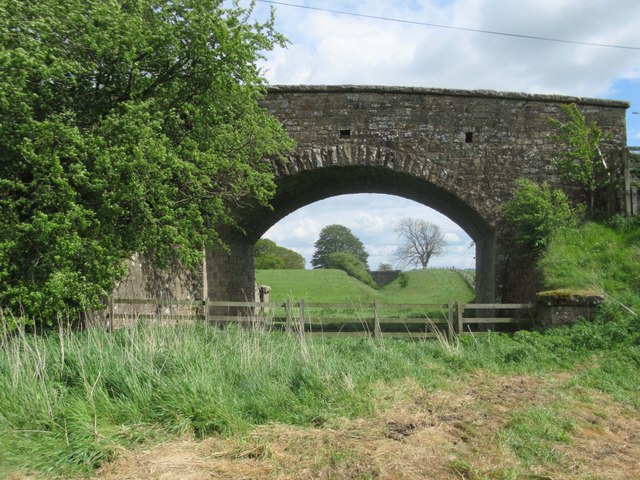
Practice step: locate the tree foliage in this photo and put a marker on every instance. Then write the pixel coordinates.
(352, 265)
(422, 241)
(269, 256)
(534, 213)
(337, 238)
(582, 161)
(125, 126)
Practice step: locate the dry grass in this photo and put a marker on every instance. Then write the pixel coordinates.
(452, 434)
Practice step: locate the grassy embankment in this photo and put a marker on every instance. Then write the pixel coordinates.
(335, 286)
(531, 405)
(435, 287)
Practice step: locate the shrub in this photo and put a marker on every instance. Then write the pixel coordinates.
(581, 160)
(269, 256)
(352, 265)
(269, 262)
(534, 213)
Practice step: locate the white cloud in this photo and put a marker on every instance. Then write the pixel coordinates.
(370, 222)
(336, 49)
(451, 237)
(297, 230)
(328, 48)
(375, 228)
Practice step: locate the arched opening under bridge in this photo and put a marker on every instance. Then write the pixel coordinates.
(301, 189)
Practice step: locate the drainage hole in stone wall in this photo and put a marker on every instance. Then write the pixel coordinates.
(345, 133)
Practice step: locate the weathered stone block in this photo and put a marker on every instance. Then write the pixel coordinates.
(565, 307)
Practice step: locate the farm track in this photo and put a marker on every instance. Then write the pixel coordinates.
(457, 433)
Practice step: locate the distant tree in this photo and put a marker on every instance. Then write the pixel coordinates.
(385, 267)
(352, 265)
(582, 160)
(423, 240)
(337, 238)
(269, 256)
(268, 262)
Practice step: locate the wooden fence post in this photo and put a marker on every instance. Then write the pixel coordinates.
(460, 312)
(207, 307)
(110, 325)
(377, 332)
(287, 310)
(451, 331)
(301, 326)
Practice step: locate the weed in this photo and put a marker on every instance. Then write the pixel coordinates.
(534, 433)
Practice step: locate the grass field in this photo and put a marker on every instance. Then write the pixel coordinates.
(265, 405)
(335, 286)
(200, 402)
(325, 286)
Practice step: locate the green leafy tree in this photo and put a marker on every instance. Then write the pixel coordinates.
(269, 262)
(125, 127)
(337, 238)
(352, 265)
(581, 161)
(534, 213)
(269, 256)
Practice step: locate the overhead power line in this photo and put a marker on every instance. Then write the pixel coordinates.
(452, 27)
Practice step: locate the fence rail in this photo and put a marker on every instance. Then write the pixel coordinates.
(376, 318)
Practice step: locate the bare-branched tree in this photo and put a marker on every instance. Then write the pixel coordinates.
(423, 240)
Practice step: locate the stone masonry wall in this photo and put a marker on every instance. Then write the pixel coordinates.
(459, 152)
(384, 277)
(474, 144)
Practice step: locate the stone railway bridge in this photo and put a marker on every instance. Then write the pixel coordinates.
(459, 152)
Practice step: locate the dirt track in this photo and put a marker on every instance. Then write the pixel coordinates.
(426, 435)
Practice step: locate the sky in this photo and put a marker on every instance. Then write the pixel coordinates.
(329, 48)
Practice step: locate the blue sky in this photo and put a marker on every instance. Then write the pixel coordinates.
(331, 49)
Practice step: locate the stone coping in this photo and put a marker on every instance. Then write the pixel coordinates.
(446, 92)
(569, 297)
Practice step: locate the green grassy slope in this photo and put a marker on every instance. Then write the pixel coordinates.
(598, 257)
(335, 286)
(324, 286)
(428, 286)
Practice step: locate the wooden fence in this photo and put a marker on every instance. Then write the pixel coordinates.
(376, 319)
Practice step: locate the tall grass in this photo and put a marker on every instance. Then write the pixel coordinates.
(605, 257)
(69, 400)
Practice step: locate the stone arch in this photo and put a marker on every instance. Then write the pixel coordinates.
(457, 151)
(314, 174)
(317, 173)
